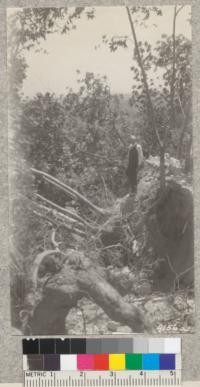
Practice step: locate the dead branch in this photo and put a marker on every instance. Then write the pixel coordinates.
(47, 218)
(74, 230)
(53, 240)
(114, 246)
(176, 280)
(185, 271)
(75, 227)
(32, 279)
(70, 191)
(61, 224)
(69, 213)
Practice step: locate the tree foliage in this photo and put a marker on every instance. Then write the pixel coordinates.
(79, 136)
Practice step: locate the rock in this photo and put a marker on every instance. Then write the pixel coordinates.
(125, 270)
(161, 310)
(92, 329)
(121, 279)
(124, 329)
(74, 323)
(112, 326)
(154, 161)
(190, 302)
(144, 289)
(180, 303)
(191, 320)
(91, 310)
(170, 162)
(174, 165)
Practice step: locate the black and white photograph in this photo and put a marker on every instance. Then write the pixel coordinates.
(101, 230)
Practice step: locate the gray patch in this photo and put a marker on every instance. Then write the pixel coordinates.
(140, 345)
(93, 346)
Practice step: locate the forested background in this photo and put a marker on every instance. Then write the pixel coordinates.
(82, 139)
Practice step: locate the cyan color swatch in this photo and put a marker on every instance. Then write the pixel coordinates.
(150, 361)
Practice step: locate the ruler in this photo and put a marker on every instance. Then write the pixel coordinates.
(101, 379)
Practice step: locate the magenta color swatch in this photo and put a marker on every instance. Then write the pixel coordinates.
(85, 362)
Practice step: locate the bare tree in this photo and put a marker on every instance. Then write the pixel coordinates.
(161, 141)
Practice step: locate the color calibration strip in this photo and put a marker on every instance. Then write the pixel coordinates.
(101, 362)
(116, 345)
(114, 354)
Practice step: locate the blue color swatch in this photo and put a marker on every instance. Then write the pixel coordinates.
(167, 362)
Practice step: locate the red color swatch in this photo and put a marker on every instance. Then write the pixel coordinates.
(101, 362)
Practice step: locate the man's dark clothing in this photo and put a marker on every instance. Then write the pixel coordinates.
(132, 168)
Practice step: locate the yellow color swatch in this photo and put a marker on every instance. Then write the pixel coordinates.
(117, 361)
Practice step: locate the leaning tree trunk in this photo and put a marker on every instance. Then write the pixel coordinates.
(162, 169)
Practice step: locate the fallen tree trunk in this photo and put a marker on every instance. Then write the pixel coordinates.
(79, 278)
(109, 299)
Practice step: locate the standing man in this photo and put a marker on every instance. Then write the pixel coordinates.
(135, 160)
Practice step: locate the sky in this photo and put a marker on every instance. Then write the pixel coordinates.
(57, 70)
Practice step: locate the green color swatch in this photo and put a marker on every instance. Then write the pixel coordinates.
(133, 361)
